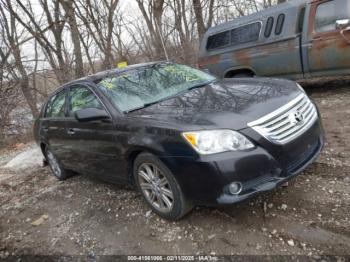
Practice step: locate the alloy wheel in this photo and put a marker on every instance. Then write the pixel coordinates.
(53, 164)
(155, 187)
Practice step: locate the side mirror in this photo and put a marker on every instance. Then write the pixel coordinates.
(91, 114)
(343, 24)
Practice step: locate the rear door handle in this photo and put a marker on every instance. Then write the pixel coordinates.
(45, 129)
(71, 131)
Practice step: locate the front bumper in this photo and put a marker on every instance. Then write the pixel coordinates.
(205, 179)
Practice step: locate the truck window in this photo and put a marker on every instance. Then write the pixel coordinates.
(245, 34)
(328, 13)
(269, 25)
(218, 40)
(279, 24)
(325, 17)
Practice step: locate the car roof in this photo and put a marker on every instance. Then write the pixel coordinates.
(102, 74)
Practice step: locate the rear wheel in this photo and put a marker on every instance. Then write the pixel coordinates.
(239, 74)
(242, 75)
(55, 166)
(159, 187)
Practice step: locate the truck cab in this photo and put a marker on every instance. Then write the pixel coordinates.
(296, 40)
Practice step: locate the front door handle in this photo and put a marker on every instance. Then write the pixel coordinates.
(45, 129)
(71, 131)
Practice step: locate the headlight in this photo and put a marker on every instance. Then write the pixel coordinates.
(216, 141)
(301, 88)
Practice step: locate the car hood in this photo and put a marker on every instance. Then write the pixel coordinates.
(227, 103)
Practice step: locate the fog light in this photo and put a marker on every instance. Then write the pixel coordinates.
(235, 188)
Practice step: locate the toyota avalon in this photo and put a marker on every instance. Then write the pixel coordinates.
(180, 135)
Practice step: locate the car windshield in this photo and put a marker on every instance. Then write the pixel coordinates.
(137, 88)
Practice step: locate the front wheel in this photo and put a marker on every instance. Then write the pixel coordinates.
(159, 187)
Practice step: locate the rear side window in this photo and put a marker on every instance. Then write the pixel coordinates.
(279, 24)
(236, 36)
(56, 106)
(245, 34)
(269, 25)
(80, 98)
(218, 40)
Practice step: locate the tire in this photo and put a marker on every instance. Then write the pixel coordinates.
(243, 75)
(159, 187)
(55, 166)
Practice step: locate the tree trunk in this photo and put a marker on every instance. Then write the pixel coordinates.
(29, 98)
(153, 18)
(109, 59)
(12, 37)
(199, 18)
(74, 31)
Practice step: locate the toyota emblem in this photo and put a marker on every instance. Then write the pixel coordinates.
(296, 118)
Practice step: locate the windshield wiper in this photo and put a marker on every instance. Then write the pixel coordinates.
(200, 85)
(147, 105)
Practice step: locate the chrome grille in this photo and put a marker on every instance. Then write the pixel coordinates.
(288, 122)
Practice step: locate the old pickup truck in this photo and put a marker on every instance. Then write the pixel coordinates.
(297, 39)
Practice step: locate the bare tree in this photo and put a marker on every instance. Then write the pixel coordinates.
(68, 6)
(184, 37)
(43, 28)
(198, 10)
(152, 12)
(98, 18)
(11, 39)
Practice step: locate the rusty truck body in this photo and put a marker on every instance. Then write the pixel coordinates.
(297, 39)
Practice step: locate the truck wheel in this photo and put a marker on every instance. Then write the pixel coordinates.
(243, 75)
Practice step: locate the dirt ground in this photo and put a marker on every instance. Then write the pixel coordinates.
(83, 216)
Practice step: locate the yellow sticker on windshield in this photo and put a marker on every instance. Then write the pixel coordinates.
(122, 64)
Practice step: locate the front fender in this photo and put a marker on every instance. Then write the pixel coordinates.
(160, 142)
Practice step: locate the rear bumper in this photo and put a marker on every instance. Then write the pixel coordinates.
(205, 180)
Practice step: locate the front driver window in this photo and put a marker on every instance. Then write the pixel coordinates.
(56, 106)
(81, 98)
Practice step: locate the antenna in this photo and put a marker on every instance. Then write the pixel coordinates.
(161, 39)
